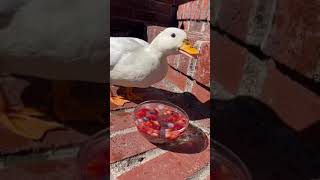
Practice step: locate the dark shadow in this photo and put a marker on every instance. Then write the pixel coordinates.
(269, 148)
(39, 95)
(195, 109)
(193, 140)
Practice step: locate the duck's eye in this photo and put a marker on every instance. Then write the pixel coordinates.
(173, 35)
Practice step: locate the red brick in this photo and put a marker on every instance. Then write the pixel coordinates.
(49, 170)
(120, 120)
(145, 15)
(176, 78)
(202, 70)
(206, 28)
(197, 36)
(184, 63)
(186, 25)
(169, 166)
(12, 143)
(295, 105)
(166, 1)
(153, 31)
(121, 11)
(228, 64)
(61, 138)
(195, 26)
(202, 94)
(294, 39)
(161, 85)
(234, 16)
(195, 10)
(172, 60)
(127, 145)
(205, 9)
(159, 7)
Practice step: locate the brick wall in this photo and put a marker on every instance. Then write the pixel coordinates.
(129, 17)
(270, 50)
(191, 74)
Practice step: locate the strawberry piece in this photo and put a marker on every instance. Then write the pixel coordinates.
(148, 124)
(154, 134)
(152, 117)
(178, 127)
(174, 117)
(141, 113)
(167, 112)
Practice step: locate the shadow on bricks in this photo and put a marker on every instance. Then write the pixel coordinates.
(193, 140)
(269, 148)
(195, 109)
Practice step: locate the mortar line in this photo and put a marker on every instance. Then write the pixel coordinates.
(202, 174)
(191, 78)
(120, 167)
(123, 131)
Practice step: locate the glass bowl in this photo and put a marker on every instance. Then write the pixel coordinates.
(227, 165)
(160, 121)
(93, 158)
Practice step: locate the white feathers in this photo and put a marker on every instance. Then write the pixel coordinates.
(136, 63)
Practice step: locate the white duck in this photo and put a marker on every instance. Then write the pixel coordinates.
(55, 40)
(136, 63)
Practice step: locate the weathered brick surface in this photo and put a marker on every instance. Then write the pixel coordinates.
(233, 17)
(202, 69)
(169, 166)
(201, 93)
(294, 38)
(11, 143)
(147, 11)
(120, 120)
(195, 10)
(50, 170)
(229, 61)
(177, 78)
(295, 105)
(127, 145)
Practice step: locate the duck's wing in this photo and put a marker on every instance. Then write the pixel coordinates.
(120, 46)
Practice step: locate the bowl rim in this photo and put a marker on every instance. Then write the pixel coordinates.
(219, 150)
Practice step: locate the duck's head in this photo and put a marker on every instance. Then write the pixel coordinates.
(172, 40)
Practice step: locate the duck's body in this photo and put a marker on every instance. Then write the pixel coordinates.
(134, 63)
(59, 40)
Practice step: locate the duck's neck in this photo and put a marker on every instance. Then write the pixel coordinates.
(154, 51)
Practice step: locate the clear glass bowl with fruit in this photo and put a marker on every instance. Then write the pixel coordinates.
(160, 121)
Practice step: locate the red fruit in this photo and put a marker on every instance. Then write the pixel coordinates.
(167, 112)
(180, 122)
(141, 113)
(174, 117)
(152, 117)
(154, 134)
(148, 124)
(178, 127)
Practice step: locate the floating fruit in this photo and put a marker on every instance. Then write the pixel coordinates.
(160, 120)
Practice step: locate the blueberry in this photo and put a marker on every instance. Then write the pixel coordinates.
(145, 119)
